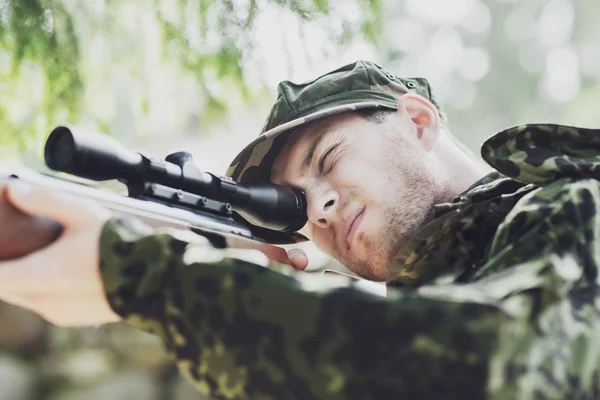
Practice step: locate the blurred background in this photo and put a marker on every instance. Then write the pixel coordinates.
(200, 76)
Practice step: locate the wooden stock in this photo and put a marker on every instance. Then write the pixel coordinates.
(21, 233)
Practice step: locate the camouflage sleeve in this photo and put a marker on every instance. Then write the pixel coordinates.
(243, 331)
(550, 243)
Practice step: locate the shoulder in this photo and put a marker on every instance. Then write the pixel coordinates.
(559, 219)
(566, 201)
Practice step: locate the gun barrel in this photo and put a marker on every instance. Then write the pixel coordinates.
(100, 157)
(90, 155)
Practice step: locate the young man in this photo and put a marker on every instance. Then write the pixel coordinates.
(492, 277)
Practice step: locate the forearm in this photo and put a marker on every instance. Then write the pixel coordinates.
(243, 331)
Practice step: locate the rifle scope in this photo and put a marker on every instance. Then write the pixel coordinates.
(100, 157)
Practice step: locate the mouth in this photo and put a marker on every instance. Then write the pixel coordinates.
(353, 226)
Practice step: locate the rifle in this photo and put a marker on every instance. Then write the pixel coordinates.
(172, 192)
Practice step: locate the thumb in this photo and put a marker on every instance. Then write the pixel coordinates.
(62, 208)
(298, 258)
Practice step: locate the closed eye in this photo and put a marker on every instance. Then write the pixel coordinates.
(324, 157)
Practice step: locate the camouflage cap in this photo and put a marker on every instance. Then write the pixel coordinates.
(360, 85)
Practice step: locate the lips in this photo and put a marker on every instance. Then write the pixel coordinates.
(351, 225)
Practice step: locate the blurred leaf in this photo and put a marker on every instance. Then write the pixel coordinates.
(49, 34)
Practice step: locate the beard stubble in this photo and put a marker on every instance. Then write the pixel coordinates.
(409, 196)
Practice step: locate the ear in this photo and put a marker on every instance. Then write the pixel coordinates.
(424, 117)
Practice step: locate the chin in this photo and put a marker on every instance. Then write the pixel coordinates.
(379, 273)
(371, 269)
(370, 263)
(374, 275)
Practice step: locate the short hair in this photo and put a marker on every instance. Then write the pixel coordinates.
(379, 116)
(374, 115)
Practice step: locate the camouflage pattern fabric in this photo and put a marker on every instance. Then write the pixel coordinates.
(498, 297)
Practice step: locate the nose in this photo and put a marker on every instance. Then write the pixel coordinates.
(322, 204)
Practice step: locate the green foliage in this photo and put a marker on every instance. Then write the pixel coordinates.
(40, 32)
(50, 35)
(371, 27)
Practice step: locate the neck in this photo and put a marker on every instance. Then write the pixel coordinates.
(459, 168)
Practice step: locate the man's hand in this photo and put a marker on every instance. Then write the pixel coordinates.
(296, 258)
(62, 281)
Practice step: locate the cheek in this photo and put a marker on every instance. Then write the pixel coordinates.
(323, 240)
(364, 175)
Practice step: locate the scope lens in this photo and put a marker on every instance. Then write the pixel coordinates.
(60, 149)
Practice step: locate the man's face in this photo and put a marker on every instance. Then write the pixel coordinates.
(368, 187)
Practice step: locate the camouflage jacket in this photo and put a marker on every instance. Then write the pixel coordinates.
(495, 298)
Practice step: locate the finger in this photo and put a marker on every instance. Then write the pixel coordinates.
(274, 253)
(298, 258)
(66, 210)
(277, 254)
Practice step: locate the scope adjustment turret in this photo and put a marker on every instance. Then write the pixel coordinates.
(179, 158)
